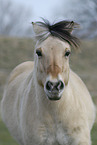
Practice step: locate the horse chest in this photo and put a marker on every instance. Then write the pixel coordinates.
(54, 135)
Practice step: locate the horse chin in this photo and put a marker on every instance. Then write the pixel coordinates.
(54, 98)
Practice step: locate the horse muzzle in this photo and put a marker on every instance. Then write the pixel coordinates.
(54, 90)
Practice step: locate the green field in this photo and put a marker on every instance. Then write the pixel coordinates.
(14, 51)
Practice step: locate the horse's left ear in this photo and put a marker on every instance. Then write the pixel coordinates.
(38, 29)
(71, 26)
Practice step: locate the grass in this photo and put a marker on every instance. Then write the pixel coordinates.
(14, 51)
(94, 134)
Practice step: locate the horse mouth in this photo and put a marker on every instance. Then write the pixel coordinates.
(53, 97)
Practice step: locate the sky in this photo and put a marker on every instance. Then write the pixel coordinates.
(53, 10)
(42, 8)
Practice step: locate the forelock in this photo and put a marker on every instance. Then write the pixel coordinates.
(61, 30)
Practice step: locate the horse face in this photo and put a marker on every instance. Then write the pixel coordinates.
(52, 63)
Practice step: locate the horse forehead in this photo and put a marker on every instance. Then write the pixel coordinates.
(52, 43)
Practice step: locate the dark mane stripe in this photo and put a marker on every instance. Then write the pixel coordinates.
(62, 30)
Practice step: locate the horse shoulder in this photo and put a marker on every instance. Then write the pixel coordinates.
(21, 68)
(77, 83)
(15, 86)
(13, 93)
(83, 96)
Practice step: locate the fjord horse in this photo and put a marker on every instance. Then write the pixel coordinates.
(45, 102)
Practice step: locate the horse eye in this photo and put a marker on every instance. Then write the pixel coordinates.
(39, 53)
(67, 53)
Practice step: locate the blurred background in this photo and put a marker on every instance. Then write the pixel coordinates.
(16, 15)
(17, 44)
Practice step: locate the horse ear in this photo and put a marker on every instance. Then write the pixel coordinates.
(71, 26)
(38, 29)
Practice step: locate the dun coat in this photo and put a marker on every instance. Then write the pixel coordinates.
(45, 102)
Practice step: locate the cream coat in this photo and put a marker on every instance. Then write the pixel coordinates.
(33, 119)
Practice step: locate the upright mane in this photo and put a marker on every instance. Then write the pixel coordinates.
(61, 30)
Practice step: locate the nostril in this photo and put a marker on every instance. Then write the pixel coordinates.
(54, 86)
(60, 85)
(49, 86)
